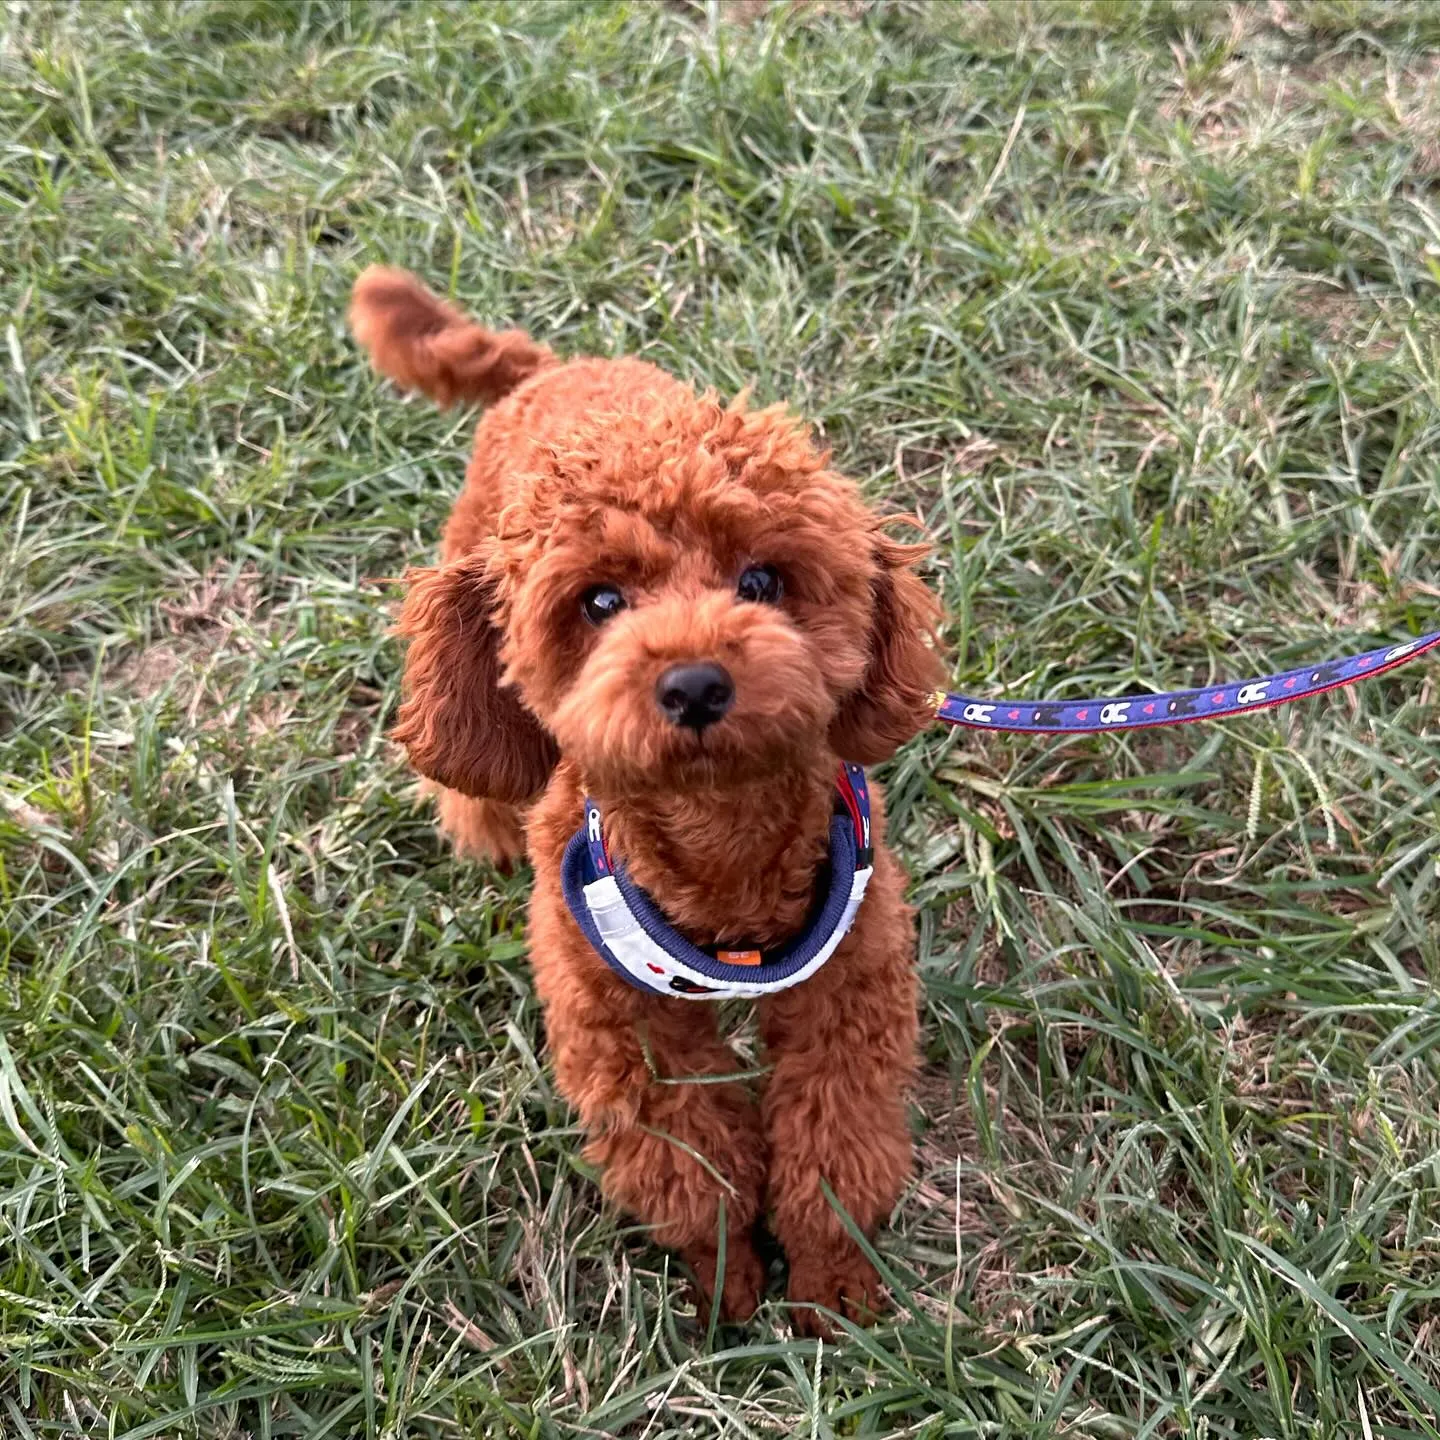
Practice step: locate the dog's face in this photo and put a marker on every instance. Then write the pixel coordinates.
(678, 601)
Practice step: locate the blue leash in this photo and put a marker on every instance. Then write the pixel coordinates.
(1176, 707)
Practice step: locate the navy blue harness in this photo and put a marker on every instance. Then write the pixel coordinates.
(633, 937)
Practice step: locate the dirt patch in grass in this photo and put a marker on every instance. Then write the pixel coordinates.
(960, 1202)
(1336, 314)
(200, 625)
(145, 673)
(750, 12)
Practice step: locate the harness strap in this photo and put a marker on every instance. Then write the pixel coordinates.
(631, 934)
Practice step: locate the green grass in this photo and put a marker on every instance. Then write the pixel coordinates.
(1134, 304)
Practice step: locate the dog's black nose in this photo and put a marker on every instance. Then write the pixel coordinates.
(695, 695)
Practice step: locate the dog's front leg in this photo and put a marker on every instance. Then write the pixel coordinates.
(675, 1148)
(842, 1047)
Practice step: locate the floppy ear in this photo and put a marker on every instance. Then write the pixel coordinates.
(459, 723)
(893, 702)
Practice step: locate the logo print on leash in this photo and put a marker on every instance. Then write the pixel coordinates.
(1179, 706)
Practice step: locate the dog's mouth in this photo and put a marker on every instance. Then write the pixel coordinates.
(708, 758)
(734, 751)
(741, 747)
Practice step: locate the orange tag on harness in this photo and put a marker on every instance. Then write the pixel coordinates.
(738, 957)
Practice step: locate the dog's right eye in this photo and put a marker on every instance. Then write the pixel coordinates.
(601, 603)
(761, 585)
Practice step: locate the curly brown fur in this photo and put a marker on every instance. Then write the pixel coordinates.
(610, 471)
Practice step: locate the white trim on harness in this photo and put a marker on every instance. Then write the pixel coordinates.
(652, 965)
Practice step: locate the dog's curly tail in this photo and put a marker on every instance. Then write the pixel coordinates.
(423, 344)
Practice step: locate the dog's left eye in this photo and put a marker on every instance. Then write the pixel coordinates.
(601, 603)
(761, 584)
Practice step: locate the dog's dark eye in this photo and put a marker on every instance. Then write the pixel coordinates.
(601, 603)
(761, 584)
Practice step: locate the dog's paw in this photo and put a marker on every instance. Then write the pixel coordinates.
(848, 1285)
(744, 1280)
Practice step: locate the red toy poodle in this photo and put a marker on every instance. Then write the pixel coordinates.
(663, 639)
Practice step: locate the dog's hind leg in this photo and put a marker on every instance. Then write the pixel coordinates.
(481, 829)
(843, 1050)
(689, 1152)
(677, 1147)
